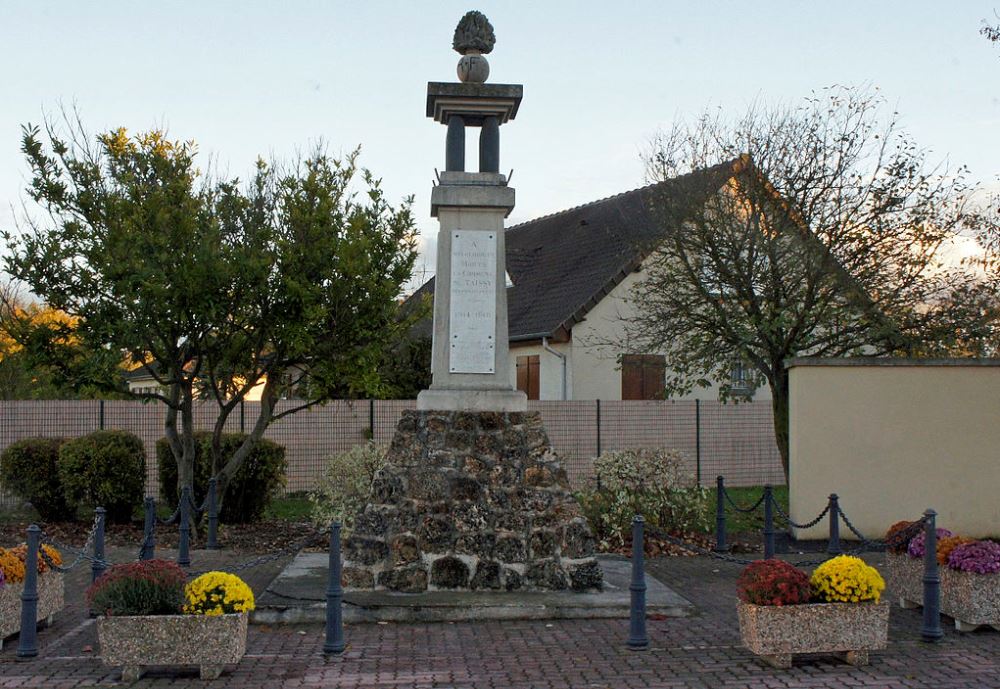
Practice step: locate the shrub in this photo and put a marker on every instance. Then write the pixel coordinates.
(217, 593)
(106, 469)
(979, 557)
(150, 587)
(250, 491)
(12, 566)
(29, 469)
(346, 483)
(916, 547)
(847, 579)
(773, 582)
(652, 482)
(897, 538)
(947, 544)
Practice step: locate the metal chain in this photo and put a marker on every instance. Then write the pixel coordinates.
(147, 537)
(80, 555)
(736, 507)
(807, 525)
(270, 557)
(198, 511)
(287, 550)
(172, 519)
(695, 548)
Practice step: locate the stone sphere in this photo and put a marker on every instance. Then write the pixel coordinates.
(473, 69)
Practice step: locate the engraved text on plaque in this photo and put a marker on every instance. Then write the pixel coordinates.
(473, 301)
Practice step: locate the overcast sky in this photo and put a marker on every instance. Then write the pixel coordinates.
(270, 78)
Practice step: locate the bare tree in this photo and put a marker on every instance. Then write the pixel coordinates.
(818, 233)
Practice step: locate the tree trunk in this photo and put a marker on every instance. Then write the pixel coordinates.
(779, 407)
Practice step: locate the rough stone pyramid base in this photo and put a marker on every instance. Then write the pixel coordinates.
(471, 501)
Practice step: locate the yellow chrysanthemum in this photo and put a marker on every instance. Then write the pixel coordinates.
(217, 593)
(847, 579)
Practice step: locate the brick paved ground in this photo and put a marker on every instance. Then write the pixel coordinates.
(698, 652)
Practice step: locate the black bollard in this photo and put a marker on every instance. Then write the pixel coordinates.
(720, 515)
(97, 567)
(148, 551)
(768, 523)
(637, 638)
(334, 643)
(27, 644)
(931, 630)
(213, 516)
(184, 542)
(833, 546)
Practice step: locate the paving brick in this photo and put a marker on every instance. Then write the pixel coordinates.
(699, 652)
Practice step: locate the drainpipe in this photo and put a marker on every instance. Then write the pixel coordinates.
(545, 346)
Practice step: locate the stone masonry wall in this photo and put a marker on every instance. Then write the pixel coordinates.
(471, 500)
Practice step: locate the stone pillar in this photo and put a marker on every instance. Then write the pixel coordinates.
(454, 155)
(489, 145)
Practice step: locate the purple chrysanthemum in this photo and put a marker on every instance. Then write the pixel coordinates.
(980, 557)
(2, 580)
(916, 548)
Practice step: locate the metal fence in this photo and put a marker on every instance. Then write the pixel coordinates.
(735, 440)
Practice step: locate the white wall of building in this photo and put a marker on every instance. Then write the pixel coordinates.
(594, 349)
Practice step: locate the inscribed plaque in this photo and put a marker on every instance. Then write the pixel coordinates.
(473, 316)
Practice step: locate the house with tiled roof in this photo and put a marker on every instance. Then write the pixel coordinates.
(569, 277)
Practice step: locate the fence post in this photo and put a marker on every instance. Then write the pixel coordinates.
(637, 638)
(149, 530)
(598, 427)
(768, 523)
(720, 515)
(184, 542)
(334, 642)
(243, 416)
(97, 567)
(371, 417)
(212, 542)
(27, 644)
(100, 414)
(931, 630)
(833, 546)
(697, 441)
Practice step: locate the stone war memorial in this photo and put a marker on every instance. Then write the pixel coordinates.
(472, 496)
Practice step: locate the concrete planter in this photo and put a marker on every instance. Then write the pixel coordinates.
(51, 596)
(775, 633)
(210, 642)
(971, 600)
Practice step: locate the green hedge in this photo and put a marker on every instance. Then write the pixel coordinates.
(106, 469)
(258, 481)
(29, 469)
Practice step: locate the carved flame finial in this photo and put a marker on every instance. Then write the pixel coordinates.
(474, 38)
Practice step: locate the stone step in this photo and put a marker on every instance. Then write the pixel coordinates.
(298, 595)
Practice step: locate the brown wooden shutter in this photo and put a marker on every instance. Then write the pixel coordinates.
(631, 377)
(528, 370)
(643, 376)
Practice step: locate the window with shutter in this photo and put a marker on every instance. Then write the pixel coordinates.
(528, 368)
(643, 376)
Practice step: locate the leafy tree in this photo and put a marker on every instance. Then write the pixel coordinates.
(30, 334)
(820, 233)
(406, 368)
(289, 280)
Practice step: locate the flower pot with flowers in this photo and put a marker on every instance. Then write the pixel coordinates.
(51, 588)
(969, 573)
(150, 617)
(783, 612)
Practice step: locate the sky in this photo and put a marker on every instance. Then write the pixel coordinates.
(247, 79)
